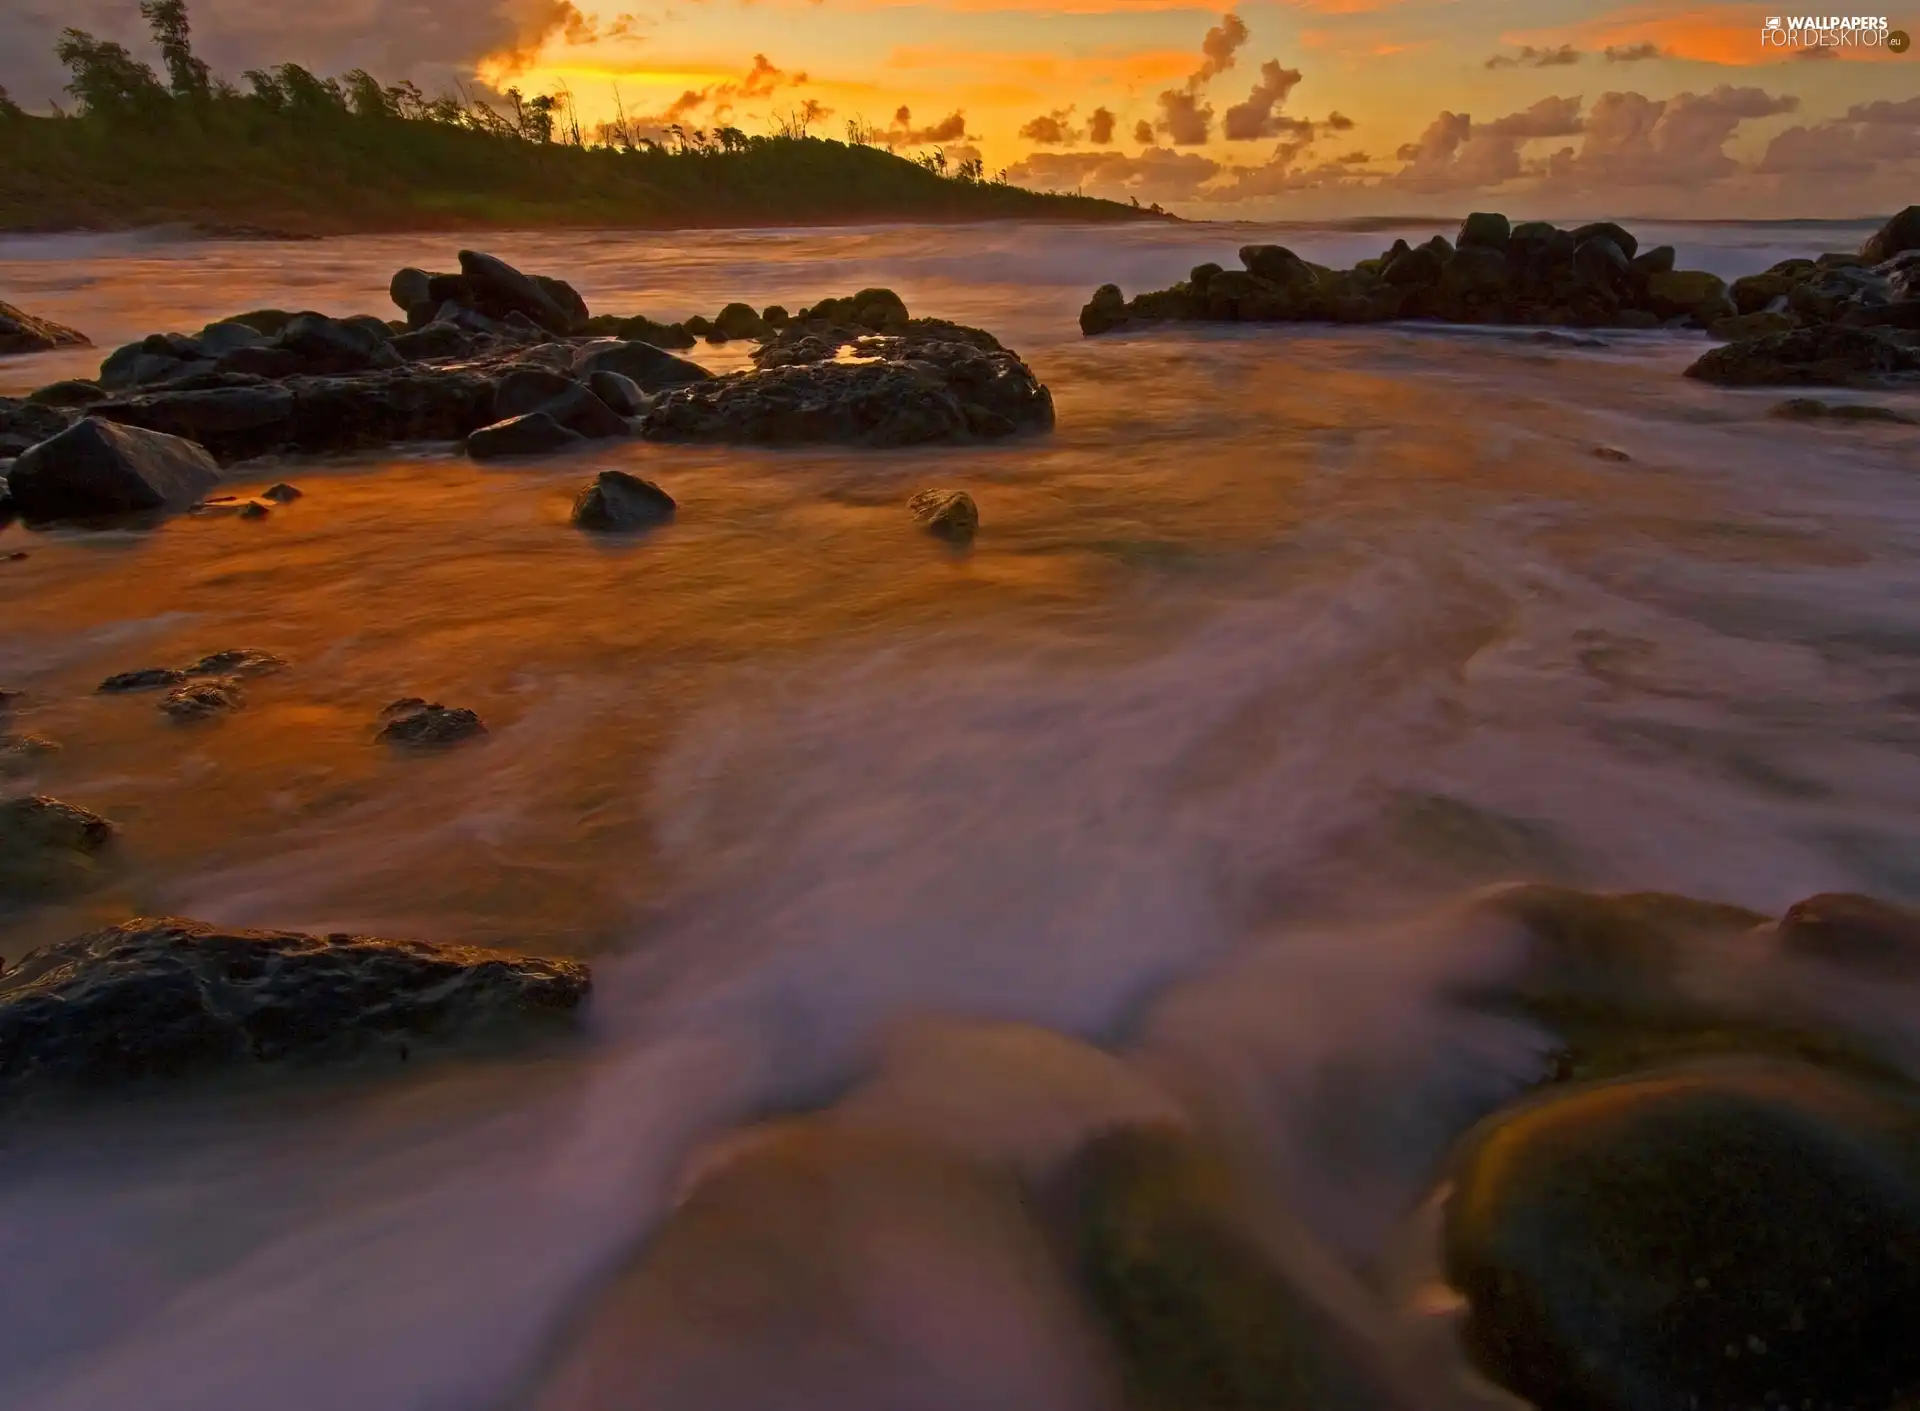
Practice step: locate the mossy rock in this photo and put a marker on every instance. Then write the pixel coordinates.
(1730, 1235)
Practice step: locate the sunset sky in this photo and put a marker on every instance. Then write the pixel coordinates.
(1309, 108)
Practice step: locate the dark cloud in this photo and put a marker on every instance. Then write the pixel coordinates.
(1185, 117)
(951, 128)
(1632, 53)
(1338, 122)
(1529, 57)
(1550, 117)
(1218, 48)
(1155, 175)
(1871, 138)
(1631, 140)
(1055, 129)
(1100, 126)
(1256, 117)
(1143, 132)
(762, 80)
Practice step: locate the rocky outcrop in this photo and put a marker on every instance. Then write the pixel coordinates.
(48, 847)
(414, 721)
(1813, 409)
(1823, 355)
(619, 502)
(167, 999)
(1896, 237)
(96, 469)
(21, 332)
(518, 437)
(822, 381)
(488, 290)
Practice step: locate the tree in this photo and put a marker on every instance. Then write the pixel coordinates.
(187, 73)
(107, 81)
(8, 108)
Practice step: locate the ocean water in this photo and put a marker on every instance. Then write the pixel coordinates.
(1154, 802)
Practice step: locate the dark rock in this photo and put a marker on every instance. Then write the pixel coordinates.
(1687, 292)
(1898, 235)
(646, 330)
(579, 410)
(334, 414)
(410, 288)
(517, 325)
(1731, 330)
(282, 493)
(253, 509)
(96, 469)
(433, 340)
(1107, 309)
(48, 847)
(1601, 261)
(265, 362)
(619, 501)
(329, 345)
(568, 299)
(775, 317)
(648, 367)
(1487, 230)
(499, 289)
(24, 424)
(739, 321)
(527, 389)
(698, 326)
(1197, 277)
(238, 661)
(232, 423)
(1273, 262)
(534, 434)
(1610, 453)
(1658, 260)
(1728, 1236)
(1414, 267)
(268, 323)
(1811, 409)
(72, 393)
(149, 678)
(166, 998)
(417, 722)
(622, 394)
(216, 340)
(1473, 283)
(946, 514)
(200, 700)
(1858, 932)
(1607, 230)
(23, 333)
(1829, 355)
(21, 754)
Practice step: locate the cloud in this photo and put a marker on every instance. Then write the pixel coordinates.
(1531, 58)
(1725, 34)
(1185, 118)
(1219, 46)
(1632, 53)
(1338, 122)
(1055, 130)
(902, 133)
(1550, 117)
(1143, 132)
(1630, 140)
(1256, 118)
(1872, 137)
(761, 80)
(1100, 126)
(1155, 175)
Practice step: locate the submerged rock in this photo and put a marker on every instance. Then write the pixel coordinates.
(1857, 932)
(98, 469)
(237, 661)
(48, 847)
(21, 753)
(1727, 1236)
(146, 678)
(168, 998)
(1812, 409)
(281, 494)
(1827, 355)
(946, 514)
(618, 501)
(21, 332)
(201, 700)
(414, 721)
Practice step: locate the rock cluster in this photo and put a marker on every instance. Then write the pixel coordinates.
(21, 332)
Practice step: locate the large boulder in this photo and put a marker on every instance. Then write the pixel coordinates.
(1900, 234)
(1107, 309)
(28, 423)
(21, 332)
(232, 423)
(648, 366)
(531, 434)
(1827, 355)
(1607, 230)
(48, 847)
(1487, 230)
(619, 502)
(498, 289)
(739, 321)
(1691, 293)
(167, 998)
(98, 469)
(1725, 1236)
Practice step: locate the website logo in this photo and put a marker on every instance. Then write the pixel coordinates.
(1833, 32)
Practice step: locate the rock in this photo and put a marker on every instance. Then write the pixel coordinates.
(199, 700)
(1828, 355)
(413, 721)
(147, 678)
(1414, 267)
(21, 332)
(21, 754)
(253, 509)
(1729, 1236)
(646, 366)
(1857, 932)
(739, 321)
(946, 514)
(47, 847)
(1610, 453)
(535, 434)
(1473, 284)
(1607, 230)
(72, 393)
(698, 326)
(410, 288)
(645, 330)
(1810, 409)
(1107, 309)
(329, 345)
(1731, 330)
(433, 340)
(25, 423)
(1601, 262)
(775, 317)
(617, 501)
(934, 382)
(1898, 235)
(1658, 260)
(217, 340)
(231, 423)
(1487, 230)
(1684, 292)
(620, 393)
(167, 998)
(568, 299)
(238, 661)
(1197, 277)
(528, 390)
(263, 362)
(96, 469)
(281, 494)
(499, 289)
(1271, 262)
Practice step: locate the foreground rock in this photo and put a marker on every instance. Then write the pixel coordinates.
(1896, 237)
(158, 999)
(1737, 1235)
(827, 379)
(1824, 355)
(97, 469)
(21, 332)
(619, 502)
(48, 848)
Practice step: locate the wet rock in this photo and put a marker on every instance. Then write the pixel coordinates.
(1812, 409)
(26, 423)
(1487, 230)
(414, 721)
(946, 514)
(23, 753)
(648, 367)
(48, 847)
(410, 288)
(574, 407)
(1731, 330)
(201, 700)
(620, 393)
(1860, 933)
(281, 494)
(1658, 260)
(216, 340)
(21, 332)
(1275, 263)
(499, 289)
(534, 434)
(1829, 355)
(1414, 267)
(776, 317)
(1690, 292)
(434, 340)
(1610, 453)
(641, 329)
(1607, 230)
(739, 321)
(528, 389)
(1107, 309)
(1727, 1236)
(96, 469)
(617, 501)
(147, 678)
(328, 345)
(815, 384)
(238, 661)
(71, 393)
(1900, 234)
(232, 423)
(157, 999)
(875, 310)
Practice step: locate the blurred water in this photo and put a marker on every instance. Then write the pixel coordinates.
(1287, 635)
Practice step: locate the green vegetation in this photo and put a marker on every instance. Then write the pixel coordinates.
(298, 153)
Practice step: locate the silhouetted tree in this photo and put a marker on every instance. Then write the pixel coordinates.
(106, 80)
(187, 73)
